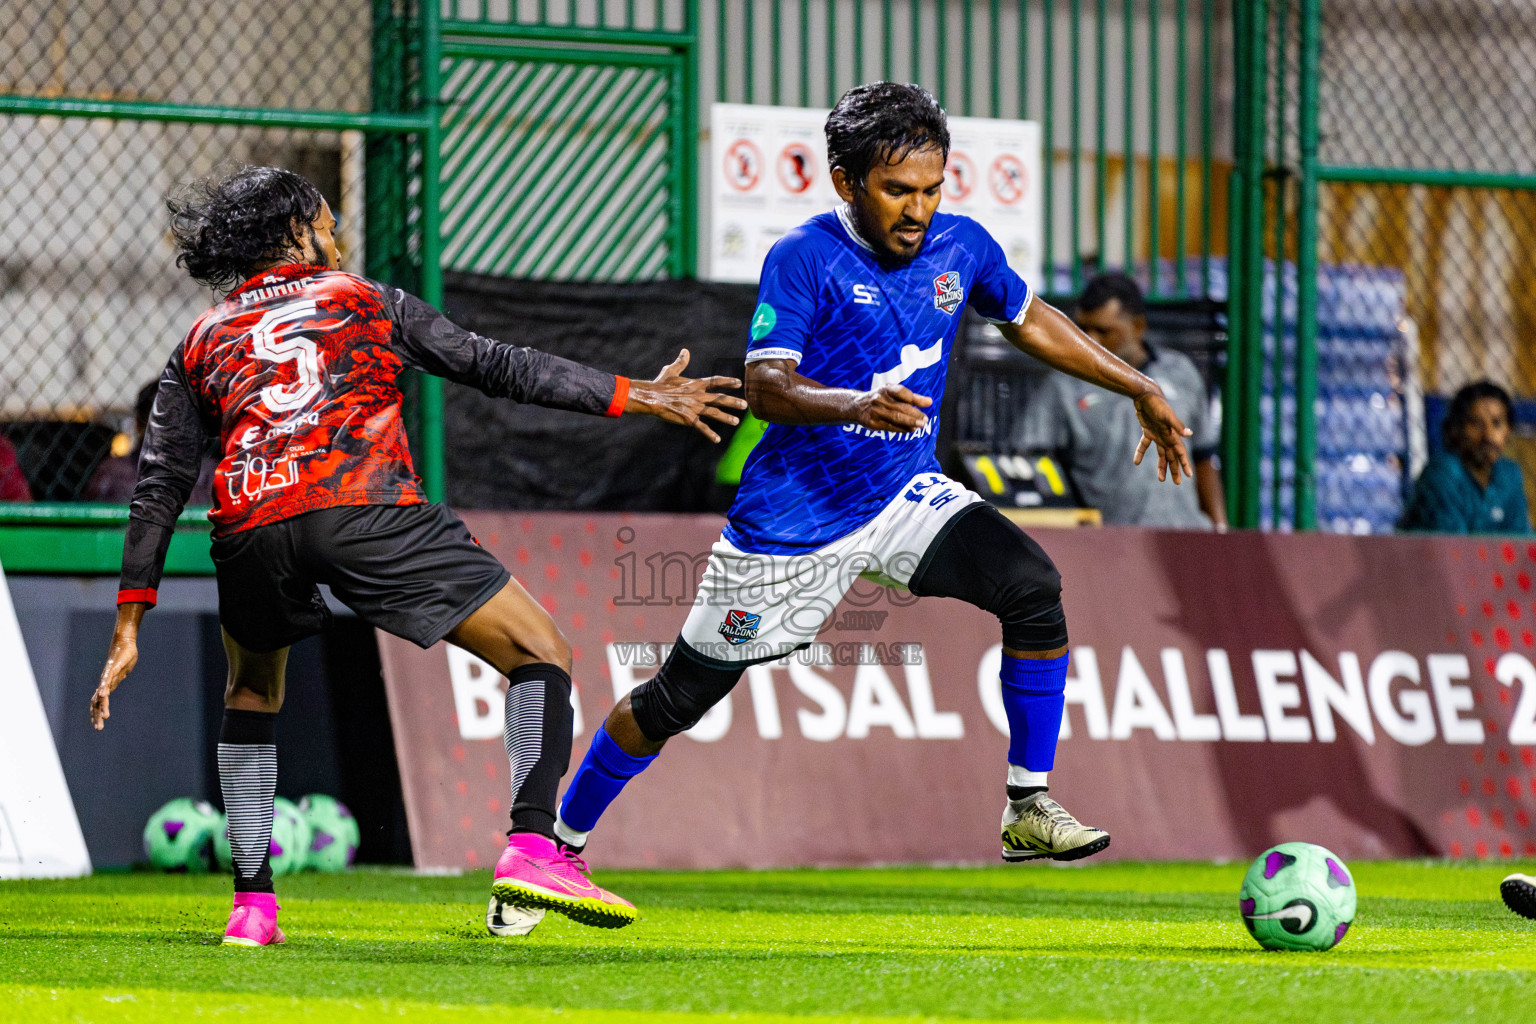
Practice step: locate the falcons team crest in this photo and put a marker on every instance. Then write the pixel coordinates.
(946, 292)
(739, 626)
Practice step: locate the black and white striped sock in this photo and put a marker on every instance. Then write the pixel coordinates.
(248, 778)
(537, 731)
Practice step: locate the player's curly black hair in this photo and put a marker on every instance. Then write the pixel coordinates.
(226, 227)
(883, 121)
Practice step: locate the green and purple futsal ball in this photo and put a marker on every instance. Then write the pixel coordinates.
(334, 834)
(1298, 896)
(290, 845)
(291, 838)
(316, 834)
(180, 835)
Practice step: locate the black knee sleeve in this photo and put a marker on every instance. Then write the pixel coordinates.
(687, 686)
(985, 560)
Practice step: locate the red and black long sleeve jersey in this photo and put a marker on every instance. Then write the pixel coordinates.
(295, 374)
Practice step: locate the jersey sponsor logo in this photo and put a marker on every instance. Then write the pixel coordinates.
(947, 294)
(926, 430)
(864, 295)
(912, 360)
(740, 626)
(763, 321)
(253, 436)
(248, 477)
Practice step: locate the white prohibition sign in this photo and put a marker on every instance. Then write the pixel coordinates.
(273, 340)
(959, 177)
(1008, 179)
(797, 167)
(743, 165)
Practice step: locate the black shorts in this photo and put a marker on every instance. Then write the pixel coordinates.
(411, 570)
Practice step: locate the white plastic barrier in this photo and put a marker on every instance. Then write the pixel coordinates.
(39, 832)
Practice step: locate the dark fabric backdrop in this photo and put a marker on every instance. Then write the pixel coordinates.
(501, 455)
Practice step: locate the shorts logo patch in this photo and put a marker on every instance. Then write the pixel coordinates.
(946, 292)
(739, 626)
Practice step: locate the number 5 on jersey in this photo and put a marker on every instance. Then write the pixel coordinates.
(276, 340)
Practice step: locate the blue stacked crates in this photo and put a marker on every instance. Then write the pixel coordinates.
(1362, 430)
(1362, 433)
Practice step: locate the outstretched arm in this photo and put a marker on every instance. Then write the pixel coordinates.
(686, 400)
(1050, 337)
(429, 341)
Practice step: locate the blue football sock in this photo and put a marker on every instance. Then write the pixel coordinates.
(602, 775)
(1034, 695)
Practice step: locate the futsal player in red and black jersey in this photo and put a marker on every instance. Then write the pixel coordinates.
(295, 375)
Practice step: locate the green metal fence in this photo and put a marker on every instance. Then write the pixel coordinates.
(393, 107)
(564, 165)
(1289, 157)
(1385, 204)
(1128, 94)
(567, 138)
(100, 116)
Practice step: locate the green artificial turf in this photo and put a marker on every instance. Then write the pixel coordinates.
(1117, 942)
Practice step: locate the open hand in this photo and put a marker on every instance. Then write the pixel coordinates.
(894, 408)
(122, 656)
(121, 659)
(1161, 426)
(686, 400)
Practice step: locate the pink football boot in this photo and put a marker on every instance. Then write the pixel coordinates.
(533, 872)
(253, 921)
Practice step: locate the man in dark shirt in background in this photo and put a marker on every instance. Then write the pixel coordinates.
(1080, 427)
(1472, 486)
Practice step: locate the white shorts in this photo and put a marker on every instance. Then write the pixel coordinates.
(754, 607)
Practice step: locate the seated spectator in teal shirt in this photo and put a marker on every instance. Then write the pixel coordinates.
(1470, 487)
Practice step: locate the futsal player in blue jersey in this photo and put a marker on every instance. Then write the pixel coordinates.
(857, 313)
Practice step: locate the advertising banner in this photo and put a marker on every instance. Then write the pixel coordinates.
(1376, 695)
(769, 173)
(39, 832)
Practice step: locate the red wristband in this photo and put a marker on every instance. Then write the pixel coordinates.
(620, 396)
(146, 594)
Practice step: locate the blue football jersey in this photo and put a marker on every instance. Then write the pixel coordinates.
(826, 302)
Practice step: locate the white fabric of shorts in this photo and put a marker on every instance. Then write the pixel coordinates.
(753, 607)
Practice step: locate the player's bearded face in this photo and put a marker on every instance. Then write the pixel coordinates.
(319, 241)
(895, 203)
